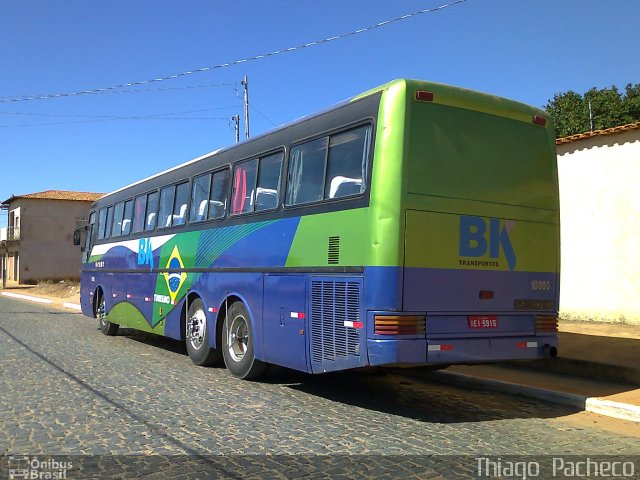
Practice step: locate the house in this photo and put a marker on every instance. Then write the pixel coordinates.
(39, 235)
(599, 174)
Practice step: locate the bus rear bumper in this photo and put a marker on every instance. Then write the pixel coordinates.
(391, 352)
(446, 351)
(490, 349)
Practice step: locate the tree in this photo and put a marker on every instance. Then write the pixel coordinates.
(569, 113)
(609, 108)
(632, 101)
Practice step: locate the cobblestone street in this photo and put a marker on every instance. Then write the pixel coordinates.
(66, 389)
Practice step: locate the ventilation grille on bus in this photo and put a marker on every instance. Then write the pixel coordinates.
(334, 251)
(332, 304)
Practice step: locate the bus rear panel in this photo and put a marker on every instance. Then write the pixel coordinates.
(479, 243)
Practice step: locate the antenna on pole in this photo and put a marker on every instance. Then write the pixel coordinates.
(245, 84)
(590, 116)
(236, 121)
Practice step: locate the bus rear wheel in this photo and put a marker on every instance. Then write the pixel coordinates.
(197, 336)
(238, 341)
(104, 325)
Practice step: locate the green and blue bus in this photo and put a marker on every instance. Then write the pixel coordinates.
(416, 224)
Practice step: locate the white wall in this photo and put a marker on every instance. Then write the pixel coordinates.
(600, 225)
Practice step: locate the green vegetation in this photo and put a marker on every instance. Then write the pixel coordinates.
(609, 108)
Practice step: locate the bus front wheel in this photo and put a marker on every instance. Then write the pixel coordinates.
(104, 325)
(238, 341)
(197, 336)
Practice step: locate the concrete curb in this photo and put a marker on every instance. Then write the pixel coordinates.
(48, 301)
(73, 306)
(621, 411)
(27, 297)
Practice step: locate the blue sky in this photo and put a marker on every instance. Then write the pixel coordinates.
(526, 50)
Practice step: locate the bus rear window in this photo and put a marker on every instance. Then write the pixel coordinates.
(471, 155)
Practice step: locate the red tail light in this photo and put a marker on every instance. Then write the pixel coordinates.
(399, 324)
(538, 120)
(423, 96)
(546, 323)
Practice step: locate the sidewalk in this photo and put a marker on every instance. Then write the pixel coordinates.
(597, 368)
(34, 293)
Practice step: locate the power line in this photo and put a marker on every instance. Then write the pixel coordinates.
(232, 63)
(263, 115)
(113, 90)
(106, 118)
(80, 115)
(164, 89)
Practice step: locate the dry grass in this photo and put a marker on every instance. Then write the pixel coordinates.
(60, 289)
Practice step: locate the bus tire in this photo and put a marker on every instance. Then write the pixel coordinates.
(237, 344)
(197, 336)
(104, 325)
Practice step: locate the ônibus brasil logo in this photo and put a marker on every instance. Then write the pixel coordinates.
(479, 236)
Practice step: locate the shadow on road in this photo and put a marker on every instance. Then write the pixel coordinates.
(420, 397)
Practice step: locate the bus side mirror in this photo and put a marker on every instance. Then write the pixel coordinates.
(76, 237)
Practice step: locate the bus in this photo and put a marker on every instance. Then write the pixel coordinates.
(416, 224)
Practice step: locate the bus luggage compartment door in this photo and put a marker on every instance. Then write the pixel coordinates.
(284, 321)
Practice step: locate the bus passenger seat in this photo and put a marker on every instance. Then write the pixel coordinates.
(180, 218)
(266, 199)
(151, 218)
(202, 210)
(344, 186)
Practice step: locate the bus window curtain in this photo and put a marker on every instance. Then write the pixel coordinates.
(365, 157)
(295, 176)
(239, 190)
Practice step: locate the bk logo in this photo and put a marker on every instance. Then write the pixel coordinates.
(479, 236)
(145, 252)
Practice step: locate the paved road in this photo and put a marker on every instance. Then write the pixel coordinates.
(65, 389)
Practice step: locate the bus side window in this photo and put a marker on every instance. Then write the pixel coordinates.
(218, 195)
(347, 163)
(140, 207)
(167, 195)
(200, 198)
(152, 209)
(88, 239)
(102, 223)
(306, 172)
(107, 225)
(179, 216)
(244, 187)
(126, 219)
(268, 182)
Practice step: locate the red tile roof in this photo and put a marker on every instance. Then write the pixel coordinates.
(59, 195)
(597, 133)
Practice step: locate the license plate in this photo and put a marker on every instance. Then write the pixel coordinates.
(478, 321)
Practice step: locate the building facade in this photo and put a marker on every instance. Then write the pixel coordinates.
(599, 176)
(39, 235)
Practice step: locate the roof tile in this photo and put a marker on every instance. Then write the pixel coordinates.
(597, 133)
(59, 195)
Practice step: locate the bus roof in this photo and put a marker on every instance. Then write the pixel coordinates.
(467, 99)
